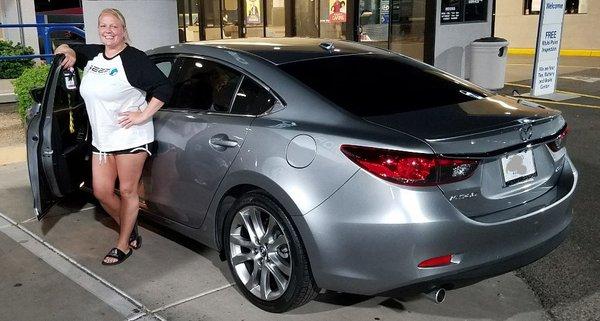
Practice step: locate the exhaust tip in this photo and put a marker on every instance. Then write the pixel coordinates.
(436, 295)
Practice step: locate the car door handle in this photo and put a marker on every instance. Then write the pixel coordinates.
(222, 142)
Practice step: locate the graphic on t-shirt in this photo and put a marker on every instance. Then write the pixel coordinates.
(98, 70)
(113, 71)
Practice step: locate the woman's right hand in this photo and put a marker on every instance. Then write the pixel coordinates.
(70, 56)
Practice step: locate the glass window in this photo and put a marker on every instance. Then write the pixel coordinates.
(408, 27)
(230, 18)
(374, 20)
(275, 18)
(165, 67)
(307, 18)
(252, 99)
(571, 6)
(376, 85)
(181, 7)
(204, 85)
(212, 20)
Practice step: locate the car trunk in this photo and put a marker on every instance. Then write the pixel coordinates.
(490, 129)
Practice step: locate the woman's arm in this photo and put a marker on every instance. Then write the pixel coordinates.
(70, 55)
(131, 118)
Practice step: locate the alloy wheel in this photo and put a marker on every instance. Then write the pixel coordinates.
(260, 252)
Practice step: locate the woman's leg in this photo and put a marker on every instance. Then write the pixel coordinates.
(104, 175)
(129, 170)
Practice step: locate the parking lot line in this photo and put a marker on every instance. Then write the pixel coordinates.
(29, 220)
(543, 101)
(82, 276)
(560, 91)
(193, 297)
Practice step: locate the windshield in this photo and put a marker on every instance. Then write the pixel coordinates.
(375, 84)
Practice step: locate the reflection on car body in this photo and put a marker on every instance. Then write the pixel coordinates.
(354, 170)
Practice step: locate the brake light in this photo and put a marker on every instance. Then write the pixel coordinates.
(560, 141)
(410, 168)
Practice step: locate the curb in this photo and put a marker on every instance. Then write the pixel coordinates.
(12, 154)
(563, 52)
(8, 98)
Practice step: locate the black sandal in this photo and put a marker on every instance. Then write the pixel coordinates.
(135, 237)
(117, 254)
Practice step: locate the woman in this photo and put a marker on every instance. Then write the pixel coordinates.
(117, 78)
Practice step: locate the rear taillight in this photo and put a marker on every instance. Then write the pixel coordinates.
(560, 141)
(410, 168)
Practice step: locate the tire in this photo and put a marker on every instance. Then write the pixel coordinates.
(271, 267)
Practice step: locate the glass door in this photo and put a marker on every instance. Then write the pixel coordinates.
(210, 20)
(408, 27)
(253, 13)
(230, 17)
(275, 15)
(374, 22)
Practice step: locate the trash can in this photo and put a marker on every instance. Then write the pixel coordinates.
(488, 62)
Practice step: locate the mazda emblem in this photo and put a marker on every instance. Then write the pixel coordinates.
(526, 132)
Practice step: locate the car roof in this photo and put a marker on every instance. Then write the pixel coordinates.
(279, 50)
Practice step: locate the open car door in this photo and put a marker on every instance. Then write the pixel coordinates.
(58, 141)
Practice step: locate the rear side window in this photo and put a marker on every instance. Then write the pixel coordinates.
(376, 85)
(252, 99)
(204, 85)
(165, 67)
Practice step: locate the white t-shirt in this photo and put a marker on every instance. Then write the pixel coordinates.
(114, 85)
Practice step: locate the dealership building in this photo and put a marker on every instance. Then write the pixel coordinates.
(438, 32)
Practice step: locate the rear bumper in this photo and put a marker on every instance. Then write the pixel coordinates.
(457, 279)
(369, 237)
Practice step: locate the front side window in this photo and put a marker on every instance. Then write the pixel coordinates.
(252, 99)
(204, 85)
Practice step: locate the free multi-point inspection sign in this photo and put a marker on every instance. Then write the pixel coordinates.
(545, 70)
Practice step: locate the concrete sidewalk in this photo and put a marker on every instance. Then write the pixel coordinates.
(13, 154)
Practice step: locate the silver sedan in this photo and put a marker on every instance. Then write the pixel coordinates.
(313, 164)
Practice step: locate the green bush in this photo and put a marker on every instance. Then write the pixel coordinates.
(13, 69)
(31, 78)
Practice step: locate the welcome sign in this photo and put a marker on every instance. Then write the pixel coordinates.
(545, 70)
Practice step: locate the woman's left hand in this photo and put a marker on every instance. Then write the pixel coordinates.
(130, 118)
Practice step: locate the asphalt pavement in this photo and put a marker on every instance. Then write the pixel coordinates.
(51, 270)
(568, 280)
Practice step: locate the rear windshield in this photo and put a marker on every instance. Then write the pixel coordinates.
(376, 85)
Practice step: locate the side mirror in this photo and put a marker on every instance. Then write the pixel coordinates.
(37, 94)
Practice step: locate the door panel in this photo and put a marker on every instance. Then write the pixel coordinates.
(57, 143)
(187, 167)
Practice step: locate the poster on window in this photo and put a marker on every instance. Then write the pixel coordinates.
(253, 12)
(452, 11)
(337, 11)
(384, 14)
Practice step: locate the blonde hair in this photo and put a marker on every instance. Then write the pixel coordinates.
(117, 14)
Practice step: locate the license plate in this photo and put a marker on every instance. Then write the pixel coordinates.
(518, 167)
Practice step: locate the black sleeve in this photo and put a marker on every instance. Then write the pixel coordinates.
(142, 73)
(85, 53)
